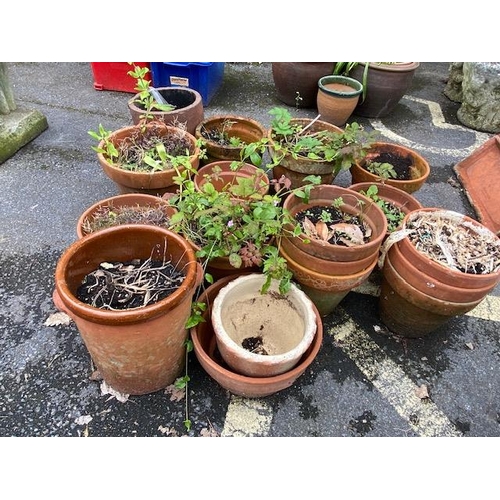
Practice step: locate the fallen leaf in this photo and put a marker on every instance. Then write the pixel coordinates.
(352, 231)
(83, 420)
(208, 432)
(167, 430)
(106, 389)
(175, 393)
(58, 318)
(422, 392)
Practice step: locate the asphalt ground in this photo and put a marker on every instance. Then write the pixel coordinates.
(363, 382)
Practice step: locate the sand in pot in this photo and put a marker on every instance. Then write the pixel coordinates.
(268, 324)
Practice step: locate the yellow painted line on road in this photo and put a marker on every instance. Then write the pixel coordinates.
(253, 417)
(247, 417)
(423, 416)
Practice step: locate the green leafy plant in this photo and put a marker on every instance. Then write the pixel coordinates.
(393, 214)
(246, 231)
(345, 68)
(146, 94)
(383, 170)
(342, 149)
(147, 149)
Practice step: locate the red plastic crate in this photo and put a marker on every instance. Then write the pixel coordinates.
(113, 76)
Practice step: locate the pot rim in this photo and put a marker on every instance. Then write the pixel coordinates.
(96, 315)
(295, 294)
(356, 86)
(188, 90)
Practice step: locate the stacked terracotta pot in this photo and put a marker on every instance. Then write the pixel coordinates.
(419, 294)
(328, 272)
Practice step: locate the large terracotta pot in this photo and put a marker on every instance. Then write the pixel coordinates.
(249, 329)
(141, 350)
(188, 112)
(246, 129)
(386, 85)
(222, 177)
(296, 169)
(337, 97)
(419, 171)
(297, 82)
(122, 200)
(419, 294)
(207, 353)
(156, 182)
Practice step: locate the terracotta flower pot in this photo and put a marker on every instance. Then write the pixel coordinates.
(401, 199)
(140, 350)
(188, 112)
(418, 293)
(420, 169)
(297, 82)
(240, 127)
(122, 200)
(386, 85)
(337, 97)
(296, 169)
(354, 203)
(326, 290)
(156, 182)
(328, 286)
(248, 324)
(222, 177)
(205, 348)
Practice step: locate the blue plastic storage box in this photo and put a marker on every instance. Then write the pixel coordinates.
(204, 77)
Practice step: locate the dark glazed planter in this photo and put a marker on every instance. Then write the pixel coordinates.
(246, 129)
(292, 78)
(386, 85)
(141, 350)
(205, 348)
(188, 112)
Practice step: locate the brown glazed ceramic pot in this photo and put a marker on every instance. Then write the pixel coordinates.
(205, 348)
(243, 128)
(141, 350)
(299, 78)
(156, 183)
(188, 112)
(386, 85)
(419, 171)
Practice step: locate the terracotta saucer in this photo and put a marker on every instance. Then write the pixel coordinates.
(479, 174)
